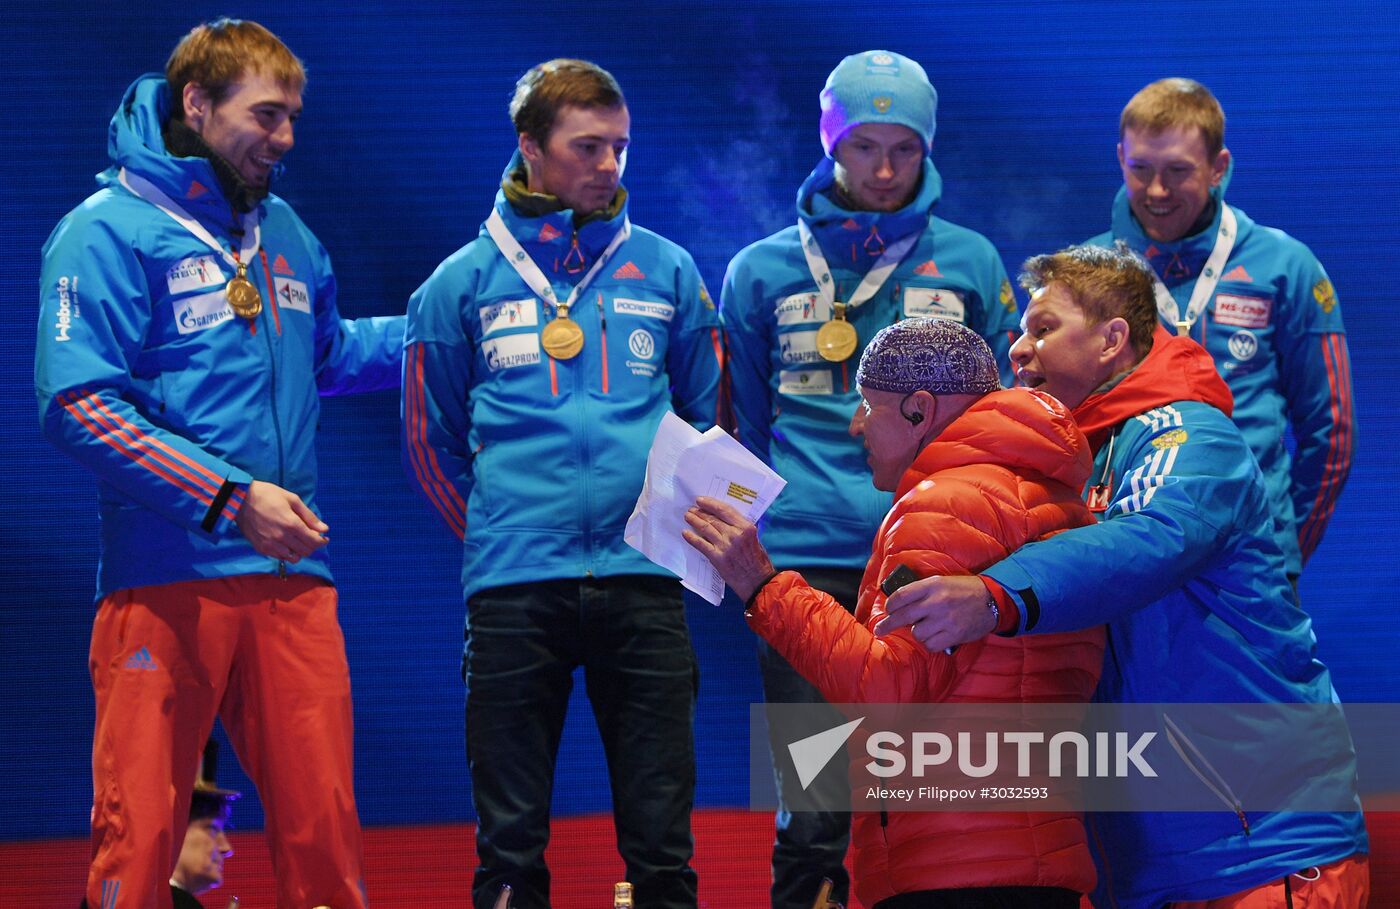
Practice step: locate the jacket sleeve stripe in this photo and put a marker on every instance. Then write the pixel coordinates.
(84, 411)
(235, 502)
(187, 466)
(1341, 444)
(435, 485)
(1147, 479)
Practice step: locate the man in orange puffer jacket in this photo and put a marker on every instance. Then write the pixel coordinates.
(977, 472)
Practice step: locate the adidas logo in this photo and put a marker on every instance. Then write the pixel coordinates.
(929, 270)
(550, 232)
(630, 270)
(1237, 274)
(280, 266)
(141, 659)
(196, 190)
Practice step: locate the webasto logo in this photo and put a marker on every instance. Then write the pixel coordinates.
(64, 320)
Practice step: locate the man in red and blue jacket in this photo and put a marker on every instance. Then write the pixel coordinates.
(1184, 570)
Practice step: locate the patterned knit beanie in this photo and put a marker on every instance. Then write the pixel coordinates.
(928, 354)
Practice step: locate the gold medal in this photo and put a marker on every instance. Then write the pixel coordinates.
(242, 296)
(562, 338)
(836, 340)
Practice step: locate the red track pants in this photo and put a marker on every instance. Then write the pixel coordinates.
(1344, 884)
(267, 655)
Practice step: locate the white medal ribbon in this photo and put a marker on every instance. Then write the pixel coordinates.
(1167, 306)
(145, 189)
(531, 274)
(873, 280)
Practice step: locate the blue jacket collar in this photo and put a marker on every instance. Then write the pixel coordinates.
(846, 236)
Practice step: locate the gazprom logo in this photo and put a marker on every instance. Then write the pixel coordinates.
(202, 312)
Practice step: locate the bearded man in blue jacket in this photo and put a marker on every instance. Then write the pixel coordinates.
(539, 361)
(188, 326)
(798, 309)
(1253, 296)
(1184, 570)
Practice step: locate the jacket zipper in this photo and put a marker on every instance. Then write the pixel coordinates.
(276, 420)
(603, 330)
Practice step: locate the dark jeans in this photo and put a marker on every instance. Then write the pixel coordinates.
(985, 898)
(522, 645)
(810, 845)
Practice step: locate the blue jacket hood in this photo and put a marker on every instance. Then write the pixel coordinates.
(835, 227)
(135, 142)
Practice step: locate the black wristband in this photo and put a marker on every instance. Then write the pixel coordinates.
(211, 517)
(748, 604)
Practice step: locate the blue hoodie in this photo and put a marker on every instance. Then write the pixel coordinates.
(1275, 332)
(536, 462)
(145, 376)
(791, 406)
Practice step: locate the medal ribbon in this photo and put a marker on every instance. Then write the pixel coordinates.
(531, 274)
(1205, 284)
(873, 280)
(145, 189)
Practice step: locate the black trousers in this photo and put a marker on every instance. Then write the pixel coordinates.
(522, 644)
(809, 845)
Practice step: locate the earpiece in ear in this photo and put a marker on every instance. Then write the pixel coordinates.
(914, 418)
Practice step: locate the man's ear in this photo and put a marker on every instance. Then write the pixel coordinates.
(920, 409)
(1116, 337)
(197, 104)
(530, 149)
(1219, 166)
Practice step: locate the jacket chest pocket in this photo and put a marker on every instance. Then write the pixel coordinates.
(636, 333)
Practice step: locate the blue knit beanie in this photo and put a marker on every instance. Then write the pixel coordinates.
(877, 87)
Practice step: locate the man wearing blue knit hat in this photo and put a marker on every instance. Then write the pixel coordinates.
(798, 309)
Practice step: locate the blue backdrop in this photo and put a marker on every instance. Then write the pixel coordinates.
(398, 156)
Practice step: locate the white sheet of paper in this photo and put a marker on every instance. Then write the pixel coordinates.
(681, 465)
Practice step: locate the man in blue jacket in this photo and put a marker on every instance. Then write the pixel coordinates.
(798, 309)
(539, 360)
(1183, 568)
(1256, 298)
(188, 325)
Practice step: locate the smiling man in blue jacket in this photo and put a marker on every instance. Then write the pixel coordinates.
(540, 359)
(1253, 296)
(798, 309)
(188, 327)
